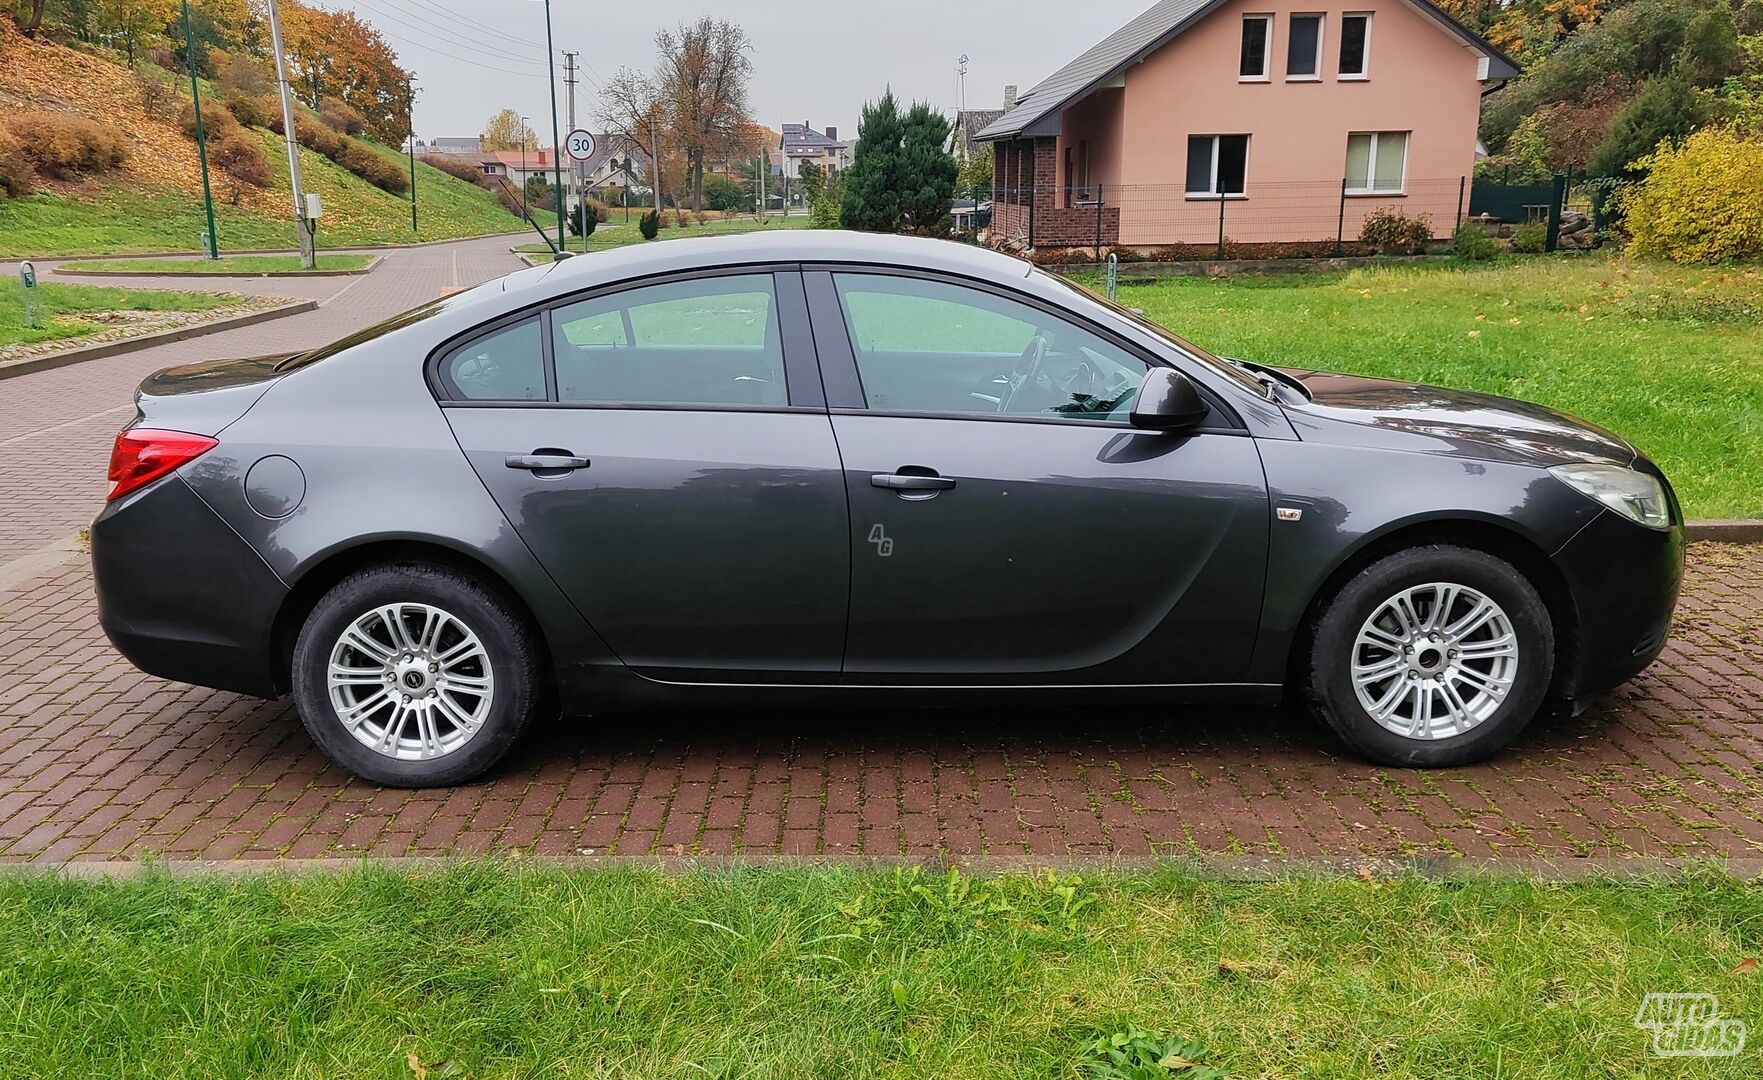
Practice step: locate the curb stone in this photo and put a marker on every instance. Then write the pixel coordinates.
(61, 270)
(109, 349)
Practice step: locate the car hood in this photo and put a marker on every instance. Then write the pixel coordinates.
(1393, 415)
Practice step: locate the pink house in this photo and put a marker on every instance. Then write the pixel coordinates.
(1261, 121)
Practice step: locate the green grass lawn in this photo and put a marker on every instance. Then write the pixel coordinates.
(481, 970)
(73, 300)
(120, 221)
(1670, 357)
(226, 264)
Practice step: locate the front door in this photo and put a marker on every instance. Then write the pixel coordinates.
(673, 469)
(1008, 525)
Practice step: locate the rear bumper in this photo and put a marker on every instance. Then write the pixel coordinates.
(181, 595)
(1623, 580)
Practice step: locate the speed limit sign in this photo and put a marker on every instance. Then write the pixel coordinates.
(580, 144)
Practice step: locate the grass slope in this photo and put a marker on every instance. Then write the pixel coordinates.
(1669, 357)
(74, 300)
(504, 970)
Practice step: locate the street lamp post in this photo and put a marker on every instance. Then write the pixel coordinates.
(201, 135)
(525, 210)
(410, 113)
(556, 134)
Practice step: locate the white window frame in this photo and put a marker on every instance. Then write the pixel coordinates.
(1364, 74)
(1215, 195)
(1321, 18)
(1371, 164)
(1266, 75)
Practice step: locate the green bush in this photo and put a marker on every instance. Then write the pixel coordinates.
(1390, 232)
(248, 110)
(1531, 239)
(1472, 243)
(650, 225)
(67, 147)
(583, 220)
(1701, 201)
(722, 193)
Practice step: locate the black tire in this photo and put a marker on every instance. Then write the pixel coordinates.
(513, 660)
(1329, 681)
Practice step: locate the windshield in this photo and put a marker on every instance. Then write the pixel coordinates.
(1224, 367)
(396, 322)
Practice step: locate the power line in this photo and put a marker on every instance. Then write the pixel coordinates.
(478, 26)
(451, 39)
(465, 60)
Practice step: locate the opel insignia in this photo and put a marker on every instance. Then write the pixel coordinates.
(767, 467)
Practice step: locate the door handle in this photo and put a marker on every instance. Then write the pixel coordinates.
(547, 462)
(911, 482)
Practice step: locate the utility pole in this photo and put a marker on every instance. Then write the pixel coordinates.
(575, 167)
(556, 135)
(410, 112)
(201, 136)
(308, 259)
(655, 166)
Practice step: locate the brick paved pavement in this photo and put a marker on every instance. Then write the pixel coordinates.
(98, 761)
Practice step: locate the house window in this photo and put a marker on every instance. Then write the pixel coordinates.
(1217, 165)
(1355, 46)
(1257, 35)
(1304, 48)
(1377, 162)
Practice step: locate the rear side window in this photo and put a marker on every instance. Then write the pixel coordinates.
(712, 341)
(508, 365)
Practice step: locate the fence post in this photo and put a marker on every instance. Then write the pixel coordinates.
(1032, 190)
(1221, 226)
(1340, 228)
(1462, 191)
(1556, 199)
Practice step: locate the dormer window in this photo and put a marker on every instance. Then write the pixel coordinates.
(1355, 47)
(1257, 37)
(1304, 48)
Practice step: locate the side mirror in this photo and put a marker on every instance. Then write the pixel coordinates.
(1167, 401)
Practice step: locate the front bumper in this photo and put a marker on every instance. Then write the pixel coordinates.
(1623, 580)
(181, 595)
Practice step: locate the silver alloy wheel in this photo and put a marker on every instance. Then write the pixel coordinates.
(410, 681)
(1435, 661)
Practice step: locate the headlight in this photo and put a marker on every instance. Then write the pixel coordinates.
(1634, 495)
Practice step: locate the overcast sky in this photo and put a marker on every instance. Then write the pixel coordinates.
(816, 62)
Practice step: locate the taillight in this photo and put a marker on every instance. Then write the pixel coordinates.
(143, 455)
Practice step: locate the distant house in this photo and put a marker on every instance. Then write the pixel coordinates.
(802, 143)
(1259, 120)
(967, 124)
(618, 162)
(516, 167)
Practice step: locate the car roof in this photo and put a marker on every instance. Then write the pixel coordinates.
(760, 248)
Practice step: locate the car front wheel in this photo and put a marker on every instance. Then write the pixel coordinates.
(414, 675)
(1432, 657)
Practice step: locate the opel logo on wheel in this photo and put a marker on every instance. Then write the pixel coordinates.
(413, 679)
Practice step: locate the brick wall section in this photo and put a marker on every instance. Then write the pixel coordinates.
(1026, 172)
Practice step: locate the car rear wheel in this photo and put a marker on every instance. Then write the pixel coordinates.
(1432, 657)
(414, 675)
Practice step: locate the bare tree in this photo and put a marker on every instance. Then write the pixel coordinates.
(704, 71)
(34, 20)
(630, 109)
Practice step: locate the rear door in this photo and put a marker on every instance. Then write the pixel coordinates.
(664, 449)
(1008, 524)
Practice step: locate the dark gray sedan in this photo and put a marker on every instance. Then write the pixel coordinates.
(752, 467)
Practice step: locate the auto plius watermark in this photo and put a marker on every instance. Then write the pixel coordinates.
(1690, 1025)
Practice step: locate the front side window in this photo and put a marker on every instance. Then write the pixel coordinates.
(1304, 47)
(932, 347)
(508, 365)
(1218, 165)
(1355, 46)
(1257, 33)
(713, 341)
(1377, 162)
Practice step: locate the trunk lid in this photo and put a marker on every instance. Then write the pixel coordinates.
(204, 398)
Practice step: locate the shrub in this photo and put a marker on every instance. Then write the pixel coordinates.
(66, 147)
(1701, 201)
(159, 92)
(1531, 238)
(650, 225)
(365, 162)
(15, 168)
(318, 138)
(1472, 243)
(583, 220)
(342, 116)
(249, 110)
(217, 122)
(602, 212)
(1390, 232)
(469, 171)
(240, 156)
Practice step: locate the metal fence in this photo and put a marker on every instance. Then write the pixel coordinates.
(1324, 216)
